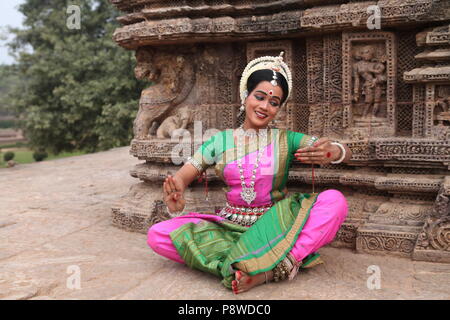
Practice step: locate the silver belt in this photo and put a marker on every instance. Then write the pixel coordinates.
(245, 216)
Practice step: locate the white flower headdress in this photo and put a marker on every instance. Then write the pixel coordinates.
(276, 64)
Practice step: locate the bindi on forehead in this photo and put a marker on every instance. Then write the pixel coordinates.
(270, 93)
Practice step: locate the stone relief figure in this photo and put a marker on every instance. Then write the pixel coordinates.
(369, 76)
(180, 120)
(173, 77)
(442, 111)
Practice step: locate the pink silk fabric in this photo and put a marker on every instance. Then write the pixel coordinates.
(326, 216)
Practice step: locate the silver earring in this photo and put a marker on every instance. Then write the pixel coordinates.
(241, 110)
(243, 97)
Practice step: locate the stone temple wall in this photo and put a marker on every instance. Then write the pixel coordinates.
(384, 92)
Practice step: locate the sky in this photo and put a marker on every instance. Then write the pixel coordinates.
(9, 16)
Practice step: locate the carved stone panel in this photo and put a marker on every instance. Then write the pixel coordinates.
(332, 56)
(270, 48)
(437, 112)
(386, 240)
(369, 81)
(314, 58)
(173, 77)
(433, 243)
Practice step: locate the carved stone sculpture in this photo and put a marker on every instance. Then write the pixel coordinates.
(178, 121)
(173, 78)
(369, 79)
(442, 107)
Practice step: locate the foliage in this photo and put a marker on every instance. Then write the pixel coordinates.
(39, 155)
(9, 79)
(8, 156)
(78, 90)
(6, 124)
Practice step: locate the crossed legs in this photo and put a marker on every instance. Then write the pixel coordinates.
(326, 216)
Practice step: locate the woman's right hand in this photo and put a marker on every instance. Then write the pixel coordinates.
(173, 190)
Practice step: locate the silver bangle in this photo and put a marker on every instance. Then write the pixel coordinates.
(342, 151)
(195, 163)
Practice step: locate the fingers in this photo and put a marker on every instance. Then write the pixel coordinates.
(321, 141)
(169, 185)
(166, 188)
(175, 188)
(311, 155)
(309, 149)
(318, 145)
(319, 153)
(168, 196)
(316, 157)
(172, 184)
(171, 191)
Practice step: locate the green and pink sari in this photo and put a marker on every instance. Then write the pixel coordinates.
(299, 223)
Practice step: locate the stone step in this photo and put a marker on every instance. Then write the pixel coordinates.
(387, 239)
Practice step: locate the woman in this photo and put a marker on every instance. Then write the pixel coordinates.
(263, 234)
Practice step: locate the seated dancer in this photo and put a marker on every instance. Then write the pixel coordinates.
(262, 234)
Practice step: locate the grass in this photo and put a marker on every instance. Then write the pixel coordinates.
(24, 155)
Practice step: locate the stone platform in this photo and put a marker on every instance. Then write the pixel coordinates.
(57, 214)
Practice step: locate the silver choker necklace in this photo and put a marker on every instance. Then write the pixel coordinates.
(251, 133)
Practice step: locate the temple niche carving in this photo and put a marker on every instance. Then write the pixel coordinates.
(369, 84)
(384, 92)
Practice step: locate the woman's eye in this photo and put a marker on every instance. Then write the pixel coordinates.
(260, 98)
(274, 104)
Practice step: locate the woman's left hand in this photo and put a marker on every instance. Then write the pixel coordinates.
(322, 152)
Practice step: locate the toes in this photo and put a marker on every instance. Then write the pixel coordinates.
(241, 283)
(234, 286)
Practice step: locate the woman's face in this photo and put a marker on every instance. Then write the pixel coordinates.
(262, 105)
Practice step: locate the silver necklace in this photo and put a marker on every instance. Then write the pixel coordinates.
(248, 194)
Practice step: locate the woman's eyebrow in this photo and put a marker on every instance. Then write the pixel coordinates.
(267, 94)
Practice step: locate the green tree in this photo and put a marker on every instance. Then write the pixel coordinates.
(78, 90)
(9, 80)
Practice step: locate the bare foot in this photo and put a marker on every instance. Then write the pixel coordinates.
(245, 282)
